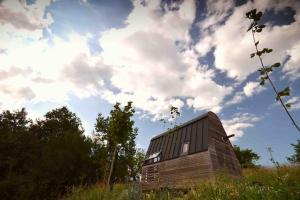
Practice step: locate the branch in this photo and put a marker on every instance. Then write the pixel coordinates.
(266, 71)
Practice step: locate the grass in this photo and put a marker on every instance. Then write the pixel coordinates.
(259, 183)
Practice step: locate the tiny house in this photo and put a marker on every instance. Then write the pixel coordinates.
(192, 152)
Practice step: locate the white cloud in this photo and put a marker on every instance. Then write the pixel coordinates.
(153, 64)
(233, 44)
(19, 19)
(292, 68)
(237, 98)
(295, 103)
(252, 88)
(33, 69)
(149, 61)
(217, 11)
(239, 123)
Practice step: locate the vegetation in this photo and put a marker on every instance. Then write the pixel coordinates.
(117, 134)
(295, 158)
(256, 27)
(246, 157)
(257, 183)
(45, 158)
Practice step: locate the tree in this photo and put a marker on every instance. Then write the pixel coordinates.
(136, 166)
(118, 133)
(246, 157)
(42, 159)
(65, 154)
(18, 150)
(296, 157)
(256, 27)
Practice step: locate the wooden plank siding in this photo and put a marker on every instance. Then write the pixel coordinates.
(176, 173)
(208, 154)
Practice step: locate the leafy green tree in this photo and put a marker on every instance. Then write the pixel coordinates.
(42, 159)
(246, 157)
(136, 167)
(65, 154)
(296, 157)
(18, 150)
(118, 133)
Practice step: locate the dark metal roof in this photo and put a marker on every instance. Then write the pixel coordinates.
(185, 124)
(193, 132)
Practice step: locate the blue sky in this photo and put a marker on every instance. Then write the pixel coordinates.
(194, 55)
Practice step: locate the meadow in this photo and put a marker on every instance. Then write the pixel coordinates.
(281, 182)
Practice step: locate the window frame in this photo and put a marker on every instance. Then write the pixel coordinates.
(187, 145)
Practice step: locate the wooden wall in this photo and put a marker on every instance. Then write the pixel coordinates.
(185, 171)
(221, 152)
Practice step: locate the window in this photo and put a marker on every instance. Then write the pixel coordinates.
(156, 159)
(185, 148)
(153, 158)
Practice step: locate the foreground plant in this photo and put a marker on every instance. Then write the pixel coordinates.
(256, 27)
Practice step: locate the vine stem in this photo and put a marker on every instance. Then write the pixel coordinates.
(272, 84)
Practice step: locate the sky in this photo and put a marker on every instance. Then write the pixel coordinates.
(194, 55)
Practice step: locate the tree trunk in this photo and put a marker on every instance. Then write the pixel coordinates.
(109, 184)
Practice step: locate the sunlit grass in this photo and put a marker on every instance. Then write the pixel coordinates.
(259, 183)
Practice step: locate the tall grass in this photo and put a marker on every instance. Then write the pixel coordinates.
(99, 192)
(261, 183)
(280, 183)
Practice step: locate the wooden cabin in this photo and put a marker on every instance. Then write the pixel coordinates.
(195, 151)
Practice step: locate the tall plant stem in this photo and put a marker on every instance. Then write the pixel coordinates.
(273, 86)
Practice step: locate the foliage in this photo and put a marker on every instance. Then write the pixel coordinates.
(256, 27)
(174, 114)
(98, 192)
(296, 157)
(257, 183)
(246, 157)
(45, 158)
(18, 150)
(40, 160)
(118, 134)
(136, 166)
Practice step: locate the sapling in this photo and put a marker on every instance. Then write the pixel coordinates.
(257, 27)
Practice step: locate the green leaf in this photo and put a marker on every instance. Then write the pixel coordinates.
(248, 14)
(257, 16)
(275, 65)
(288, 105)
(269, 50)
(256, 43)
(262, 71)
(258, 30)
(285, 92)
(262, 82)
(269, 69)
(259, 53)
(262, 26)
(252, 55)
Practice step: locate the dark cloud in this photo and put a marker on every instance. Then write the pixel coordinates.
(39, 79)
(17, 19)
(81, 73)
(18, 93)
(14, 71)
(3, 51)
(26, 93)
